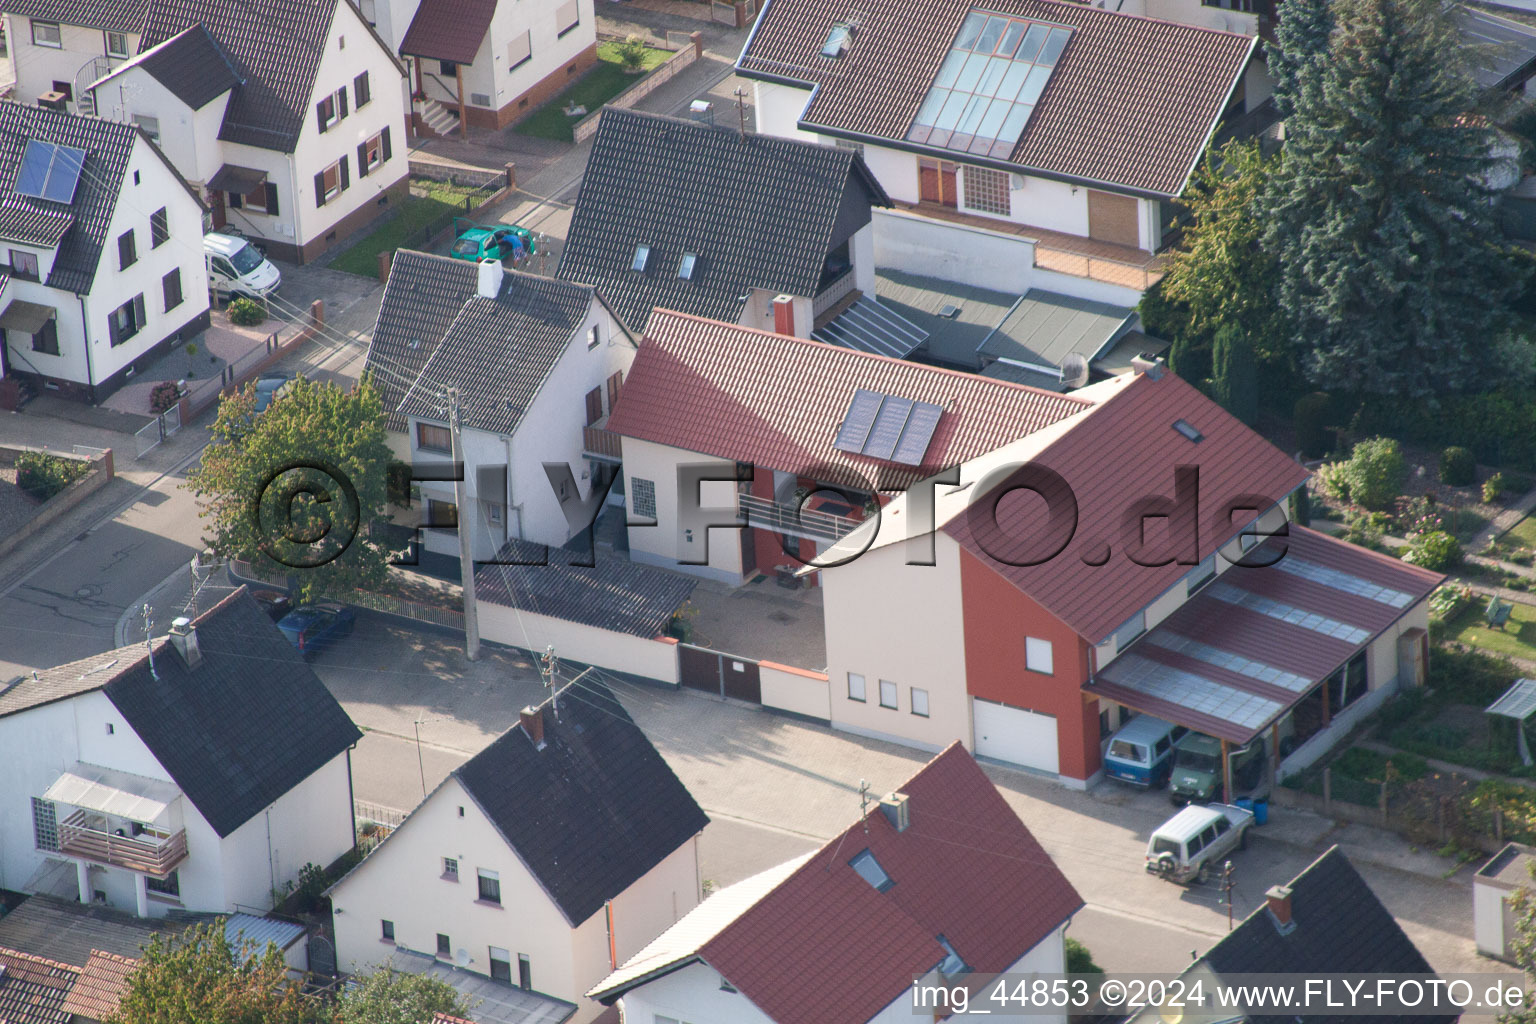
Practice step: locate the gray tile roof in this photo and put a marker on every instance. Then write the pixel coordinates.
(67, 931)
(111, 15)
(78, 229)
(614, 594)
(498, 352)
(422, 299)
(241, 729)
(1044, 328)
(758, 212)
(592, 811)
(193, 66)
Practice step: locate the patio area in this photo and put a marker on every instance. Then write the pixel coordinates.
(222, 345)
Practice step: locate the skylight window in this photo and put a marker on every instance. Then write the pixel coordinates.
(953, 963)
(870, 870)
(642, 254)
(685, 266)
(1188, 430)
(988, 85)
(837, 40)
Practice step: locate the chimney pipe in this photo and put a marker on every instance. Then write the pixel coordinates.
(1153, 368)
(532, 721)
(184, 639)
(1279, 898)
(491, 272)
(784, 315)
(897, 811)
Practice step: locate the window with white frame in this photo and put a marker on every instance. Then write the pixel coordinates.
(919, 701)
(372, 152)
(330, 111)
(116, 44)
(520, 50)
(501, 965)
(24, 265)
(856, 687)
(490, 886)
(643, 494)
(567, 17)
(592, 337)
(1038, 656)
(45, 824)
(331, 182)
(150, 126)
(986, 190)
(451, 869)
(889, 698)
(47, 33)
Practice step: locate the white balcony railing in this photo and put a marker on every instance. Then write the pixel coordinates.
(796, 522)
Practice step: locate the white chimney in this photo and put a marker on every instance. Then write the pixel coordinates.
(184, 639)
(896, 809)
(490, 278)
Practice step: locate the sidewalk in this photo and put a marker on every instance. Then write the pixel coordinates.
(1501, 523)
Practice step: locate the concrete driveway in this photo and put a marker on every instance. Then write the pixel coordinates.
(775, 787)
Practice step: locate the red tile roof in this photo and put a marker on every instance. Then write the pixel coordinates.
(738, 393)
(32, 989)
(1121, 452)
(1131, 102)
(825, 945)
(448, 29)
(103, 982)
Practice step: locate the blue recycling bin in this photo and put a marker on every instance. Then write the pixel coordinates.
(1261, 812)
(1247, 805)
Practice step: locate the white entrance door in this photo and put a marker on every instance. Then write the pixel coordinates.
(1010, 734)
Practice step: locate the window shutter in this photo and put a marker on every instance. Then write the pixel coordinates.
(271, 198)
(386, 142)
(345, 179)
(362, 159)
(341, 103)
(112, 327)
(320, 117)
(138, 310)
(320, 189)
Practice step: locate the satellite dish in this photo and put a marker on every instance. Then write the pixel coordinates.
(1074, 370)
(462, 957)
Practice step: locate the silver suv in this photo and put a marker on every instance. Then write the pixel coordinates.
(1184, 848)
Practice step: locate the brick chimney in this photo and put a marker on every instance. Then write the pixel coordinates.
(491, 272)
(532, 721)
(784, 315)
(184, 639)
(1279, 897)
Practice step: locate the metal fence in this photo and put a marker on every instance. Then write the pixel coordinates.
(391, 816)
(147, 438)
(421, 238)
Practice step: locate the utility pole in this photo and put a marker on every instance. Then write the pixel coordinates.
(149, 645)
(1226, 888)
(548, 665)
(741, 108)
(466, 562)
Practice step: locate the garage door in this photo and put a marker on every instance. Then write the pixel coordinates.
(1015, 735)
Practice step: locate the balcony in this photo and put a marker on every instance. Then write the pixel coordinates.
(153, 856)
(601, 444)
(807, 521)
(834, 288)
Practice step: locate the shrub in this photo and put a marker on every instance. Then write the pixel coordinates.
(1235, 373)
(397, 478)
(1301, 507)
(1079, 960)
(1494, 488)
(1375, 472)
(1364, 529)
(1331, 480)
(1437, 551)
(632, 53)
(312, 886)
(246, 312)
(1448, 601)
(1457, 467)
(1310, 419)
(1469, 676)
(43, 475)
(163, 395)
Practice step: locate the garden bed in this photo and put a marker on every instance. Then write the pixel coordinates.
(603, 82)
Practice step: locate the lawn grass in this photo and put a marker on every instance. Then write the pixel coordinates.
(1516, 640)
(599, 85)
(441, 200)
(1523, 533)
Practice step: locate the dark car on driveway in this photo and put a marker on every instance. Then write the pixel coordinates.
(317, 625)
(274, 602)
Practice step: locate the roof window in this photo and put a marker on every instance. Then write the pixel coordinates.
(685, 266)
(953, 963)
(837, 40)
(1188, 430)
(870, 870)
(642, 254)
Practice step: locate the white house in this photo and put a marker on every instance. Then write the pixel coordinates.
(197, 772)
(102, 242)
(1052, 119)
(536, 361)
(289, 116)
(553, 854)
(939, 881)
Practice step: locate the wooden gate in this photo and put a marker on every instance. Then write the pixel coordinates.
(724, 675)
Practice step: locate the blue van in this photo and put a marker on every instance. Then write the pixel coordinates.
(1141, 752)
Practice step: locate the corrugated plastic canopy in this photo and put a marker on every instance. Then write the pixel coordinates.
(109, 791)
(1518, 702)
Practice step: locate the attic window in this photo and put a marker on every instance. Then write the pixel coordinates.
(837, 40)
(1187, 429)
(953, 963)
(642, 254)
(685, 266)
(870, 870)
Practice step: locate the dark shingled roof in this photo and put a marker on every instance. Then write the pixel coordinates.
(78, 229)
(498, 351)
(448, 29)
(247, 725)
(32, 989)
(192, 65)
(614, 593)
(110, 15)
(1131, 102)
(757, 211)
(1340, 928)
(422, 299)
(591, 812)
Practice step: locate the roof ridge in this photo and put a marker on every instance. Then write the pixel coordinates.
(40, 960)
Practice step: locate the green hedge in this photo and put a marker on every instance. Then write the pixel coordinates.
(1499, 427)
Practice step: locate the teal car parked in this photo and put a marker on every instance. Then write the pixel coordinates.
(493, 242)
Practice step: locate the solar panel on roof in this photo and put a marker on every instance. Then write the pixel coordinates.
(64, 175)
(861, 417)
(915, 439)
(886, 434)
(34, 168)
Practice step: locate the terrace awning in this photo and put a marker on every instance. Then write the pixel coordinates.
(233, 178)
(1248, 647)
(109, 791)
(26, 317)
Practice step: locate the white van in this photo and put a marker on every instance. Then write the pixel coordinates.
(237, 270)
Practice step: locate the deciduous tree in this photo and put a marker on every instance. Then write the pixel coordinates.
(389, 996)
